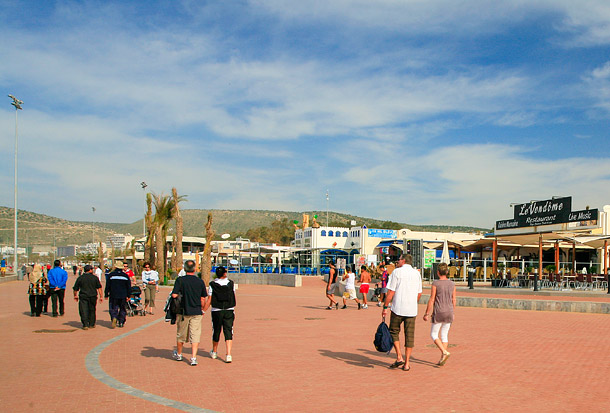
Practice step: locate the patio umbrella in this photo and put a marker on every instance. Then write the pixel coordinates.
(445, 254)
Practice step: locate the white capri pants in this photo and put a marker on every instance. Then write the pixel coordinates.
(443, 328)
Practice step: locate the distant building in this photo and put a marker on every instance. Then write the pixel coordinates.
(67, 251)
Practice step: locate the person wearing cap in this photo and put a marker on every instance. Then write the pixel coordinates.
(193, 291)
(222, 299)
(87, 288)
(117, 291)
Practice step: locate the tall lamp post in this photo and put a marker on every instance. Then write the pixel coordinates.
(143, 185)
(17, 103)
(93, 227)
(327, 199)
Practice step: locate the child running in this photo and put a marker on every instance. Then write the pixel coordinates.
(442, 304)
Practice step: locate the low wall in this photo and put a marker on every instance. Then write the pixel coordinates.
(285, 280)
(8, 278)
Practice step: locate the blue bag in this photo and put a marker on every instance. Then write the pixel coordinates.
(383, 340)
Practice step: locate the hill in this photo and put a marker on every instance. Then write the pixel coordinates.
(39, 229)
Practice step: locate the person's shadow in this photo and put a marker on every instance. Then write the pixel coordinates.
(164, 353)
(413, 359)
(354, 359)
(98, 323)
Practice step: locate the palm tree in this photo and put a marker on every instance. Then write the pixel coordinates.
(149, 250)
(177, 261)
(164, 213)
(206, 259)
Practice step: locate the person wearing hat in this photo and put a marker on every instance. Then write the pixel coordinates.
(87, 289)
(117, 291)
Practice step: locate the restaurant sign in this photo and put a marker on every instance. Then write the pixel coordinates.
(549, 212)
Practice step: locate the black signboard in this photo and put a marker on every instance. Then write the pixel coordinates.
(549, 212)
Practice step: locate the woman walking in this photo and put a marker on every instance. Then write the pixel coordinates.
(150, 279)
(441, 305)
(37, 290)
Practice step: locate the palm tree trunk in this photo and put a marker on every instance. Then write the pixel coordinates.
(179, 230)
(159, 241)
(100, 255)
(206, 259)
(174, 261)
(149, 250)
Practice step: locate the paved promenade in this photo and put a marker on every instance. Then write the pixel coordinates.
(292, 355)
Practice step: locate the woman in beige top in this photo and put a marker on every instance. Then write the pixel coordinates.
(442, 304)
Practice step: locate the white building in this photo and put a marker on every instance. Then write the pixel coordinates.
(119, 241)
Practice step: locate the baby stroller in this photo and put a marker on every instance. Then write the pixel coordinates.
(134, 306)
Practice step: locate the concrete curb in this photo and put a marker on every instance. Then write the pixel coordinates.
(530, 305)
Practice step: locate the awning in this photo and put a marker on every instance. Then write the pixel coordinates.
(388, 243)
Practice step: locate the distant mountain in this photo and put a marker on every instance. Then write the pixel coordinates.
(39, 229)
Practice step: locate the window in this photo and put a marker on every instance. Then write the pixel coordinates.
(330, 233)
(345, 234)
(323, 233)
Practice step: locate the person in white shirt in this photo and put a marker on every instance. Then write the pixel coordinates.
(350, 287)
(98, 272)
(150, 279)
(404, 292)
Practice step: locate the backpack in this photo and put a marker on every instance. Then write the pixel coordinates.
(383, 340)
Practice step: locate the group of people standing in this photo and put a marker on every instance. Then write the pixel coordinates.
(401, 290)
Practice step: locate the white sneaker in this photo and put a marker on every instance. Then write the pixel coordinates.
(378, 304)
(229, 359)
(193, 361)
(214, 355)
(365, 306)
(177, 356)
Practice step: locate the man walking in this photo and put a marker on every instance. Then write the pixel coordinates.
(194, 293)
(331, 286)
(222, 299)
(98, 272)
(87, 289)
(365, 281)
(57, 286)
(404, 292)
(118, 288)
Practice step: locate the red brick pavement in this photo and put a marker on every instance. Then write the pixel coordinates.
(291, 354)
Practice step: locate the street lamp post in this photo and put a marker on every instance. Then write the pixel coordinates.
(93, 227)
(327, 199)
(17, 104)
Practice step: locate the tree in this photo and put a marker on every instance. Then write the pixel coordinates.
(177, 261)
(206, 259)
(149, 250)
(164, 213)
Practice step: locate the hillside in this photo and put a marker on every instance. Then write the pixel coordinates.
(39, 229)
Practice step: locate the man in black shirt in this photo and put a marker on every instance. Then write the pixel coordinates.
(87, 289)
(188, 323)
(118, 288)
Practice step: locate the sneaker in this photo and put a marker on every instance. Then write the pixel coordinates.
(121, 325)
(177, 356)
(114, 321)
(85, 328)
(193, 361)
(229, 358)
(214, 355)
(359, 306)
(344, 307)
(337, 306)
(365, 306)
(328, 308)
(378, 304)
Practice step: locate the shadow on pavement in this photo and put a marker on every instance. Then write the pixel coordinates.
(166, 353)
(353, 358)
(413, 359)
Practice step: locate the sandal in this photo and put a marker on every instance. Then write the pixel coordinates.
(396, 364)
(444, 359)
(406, 369)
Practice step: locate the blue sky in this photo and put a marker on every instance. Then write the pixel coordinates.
(426, 112)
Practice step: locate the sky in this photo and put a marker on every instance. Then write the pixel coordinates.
(416, 111)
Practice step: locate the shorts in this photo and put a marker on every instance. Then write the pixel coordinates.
(383, 290)
(349, 294)
(222, 320)
(409, 326)
(331, 289)
(364, 288)
(188, 328)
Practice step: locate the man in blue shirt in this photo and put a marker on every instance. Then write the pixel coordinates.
(57, 286)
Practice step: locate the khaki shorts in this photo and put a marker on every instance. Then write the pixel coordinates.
(331, 289)
(409, 326)
(188, 328)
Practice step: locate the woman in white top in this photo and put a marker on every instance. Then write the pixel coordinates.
(150, 279)
(350, 286)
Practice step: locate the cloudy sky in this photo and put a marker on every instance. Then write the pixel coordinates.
(418, 111)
